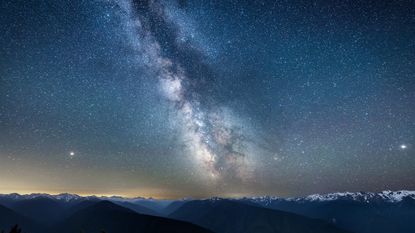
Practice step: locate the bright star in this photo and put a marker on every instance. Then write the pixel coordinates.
(403, 146)
(71, 154)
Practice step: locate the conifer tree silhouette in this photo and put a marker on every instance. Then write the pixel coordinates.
(15, 229)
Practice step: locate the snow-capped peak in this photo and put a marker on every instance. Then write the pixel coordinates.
(67, 197)
(391, 196)
(398, 195)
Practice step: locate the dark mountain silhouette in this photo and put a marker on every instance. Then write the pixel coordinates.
(138, 208)
(8, 200)
(356, 212)
(173, 207)
(226, 216)
(153, 204)
(9, 218)
(360, 216)
(41, 209)
(70, 210)
(113, 218)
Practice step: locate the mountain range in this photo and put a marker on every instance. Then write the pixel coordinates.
(360, 212)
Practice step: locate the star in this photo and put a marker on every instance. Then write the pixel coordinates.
(152, 91)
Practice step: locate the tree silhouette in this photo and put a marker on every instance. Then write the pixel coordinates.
(15, 229)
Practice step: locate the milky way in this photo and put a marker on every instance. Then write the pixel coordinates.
(212, 139)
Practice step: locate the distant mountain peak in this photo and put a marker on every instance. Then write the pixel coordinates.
(67, 196)
(385, 196)
(390, 196)
(61, 197)
(108, 205)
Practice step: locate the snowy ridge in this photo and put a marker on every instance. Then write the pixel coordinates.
(388, 196)
(264, 200)
(62, 197)
(67, 197)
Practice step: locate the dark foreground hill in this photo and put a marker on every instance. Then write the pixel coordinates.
(112, 218)
(41, 209)
(9, 218)
(226, 216)
(90, 217)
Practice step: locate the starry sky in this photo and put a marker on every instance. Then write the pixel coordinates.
(173, 99)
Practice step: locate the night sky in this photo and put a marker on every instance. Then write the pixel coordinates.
(174, 99)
